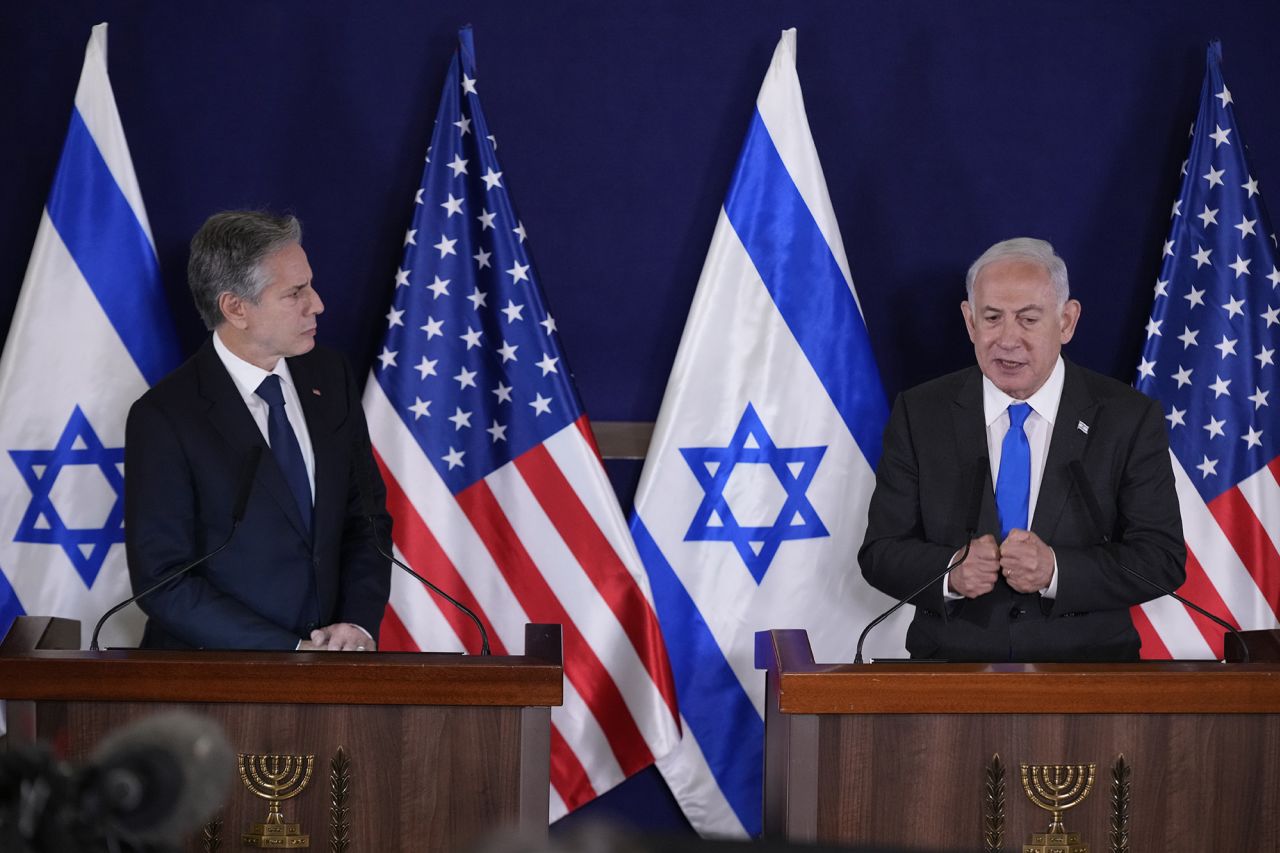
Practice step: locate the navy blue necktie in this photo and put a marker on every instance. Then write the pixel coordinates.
(284, 446)
(1013, 483)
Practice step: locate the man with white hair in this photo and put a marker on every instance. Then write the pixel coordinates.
(1038, 581)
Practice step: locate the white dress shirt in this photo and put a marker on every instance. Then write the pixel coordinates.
(1038, 428)
(247, 377)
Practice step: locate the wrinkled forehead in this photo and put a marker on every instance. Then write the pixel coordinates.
(1014, 284)
(286, 267)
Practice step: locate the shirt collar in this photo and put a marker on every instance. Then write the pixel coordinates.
(245, 375)
(1044, 402)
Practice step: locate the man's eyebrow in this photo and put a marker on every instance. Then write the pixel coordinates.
(990, 309)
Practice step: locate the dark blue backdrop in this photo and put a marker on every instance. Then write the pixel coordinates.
(942, 127)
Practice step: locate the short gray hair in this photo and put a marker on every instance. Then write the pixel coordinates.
(1024, 249)
(227, 254)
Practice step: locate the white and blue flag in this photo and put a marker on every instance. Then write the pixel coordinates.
(90, 334)
(754, 495)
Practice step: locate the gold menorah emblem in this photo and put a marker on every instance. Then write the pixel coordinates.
(275, 778)
(1056, 788)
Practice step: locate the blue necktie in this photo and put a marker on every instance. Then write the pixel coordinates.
(284, 446)
(1013, 483)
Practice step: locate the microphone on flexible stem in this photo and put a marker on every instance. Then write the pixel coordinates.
(980, 473)
(366, 506)
(1081, 480)
(237, 515)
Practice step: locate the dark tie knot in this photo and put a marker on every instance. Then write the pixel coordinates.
(1018, 413)
(270, 391)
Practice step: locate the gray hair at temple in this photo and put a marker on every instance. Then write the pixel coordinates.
(1024, 249)
(227, 254)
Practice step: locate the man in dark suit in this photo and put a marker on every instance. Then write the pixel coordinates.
(301, 570)
(1049, 589)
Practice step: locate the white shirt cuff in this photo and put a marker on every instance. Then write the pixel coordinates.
(1051, 591)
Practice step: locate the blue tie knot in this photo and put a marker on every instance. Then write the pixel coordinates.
(270, 391)
(1018, 413)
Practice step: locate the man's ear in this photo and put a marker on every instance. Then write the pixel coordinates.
(233, 309)
(1070, 316)
(969, 321)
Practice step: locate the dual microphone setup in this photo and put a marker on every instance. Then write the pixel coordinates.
(1082, 486)
(981, 473)
(244, 488)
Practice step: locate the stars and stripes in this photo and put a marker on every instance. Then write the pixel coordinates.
(494, 483)
(1210, 359)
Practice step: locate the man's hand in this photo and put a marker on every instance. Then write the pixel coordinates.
(339, 637)
(1025, 561)
(977, 574)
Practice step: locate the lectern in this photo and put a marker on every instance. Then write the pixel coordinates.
(410, 751)
(1187, 754)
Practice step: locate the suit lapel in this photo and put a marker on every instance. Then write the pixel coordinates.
(1067, 445)
(319, 395)
(230, 417)
(970, 428)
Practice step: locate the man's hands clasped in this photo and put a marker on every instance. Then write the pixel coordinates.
(338, 637)
(1023, 558)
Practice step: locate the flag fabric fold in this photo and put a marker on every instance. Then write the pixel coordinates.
(1210, 359)
(753, 500)
(497, 492)
(90, 334)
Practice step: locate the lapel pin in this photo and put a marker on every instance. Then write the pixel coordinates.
(316, 391)
(1080, 425)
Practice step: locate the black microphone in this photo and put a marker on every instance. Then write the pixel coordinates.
(1081, 480)
(146, 787)
(981, 472)
(243, 489)
(158, 779)
(365, 485)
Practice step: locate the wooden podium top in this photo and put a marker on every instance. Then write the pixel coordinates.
(1156, 687)
(353, 678)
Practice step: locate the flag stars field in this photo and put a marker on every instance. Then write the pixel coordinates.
(1230, 498)
(512, 450)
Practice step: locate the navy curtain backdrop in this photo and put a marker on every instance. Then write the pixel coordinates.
(942, 127)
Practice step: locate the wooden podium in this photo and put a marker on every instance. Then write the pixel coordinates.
(901, 754)
(412, 751)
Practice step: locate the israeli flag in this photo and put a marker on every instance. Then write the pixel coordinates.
(90, 334)
(753, 500)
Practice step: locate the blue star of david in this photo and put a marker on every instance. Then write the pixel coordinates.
(41, 524)
(797, 519)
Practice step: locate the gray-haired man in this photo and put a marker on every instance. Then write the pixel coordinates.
(301, 570)
(1038, 583)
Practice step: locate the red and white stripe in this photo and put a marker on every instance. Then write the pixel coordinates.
(1233, 567)
(541, 539)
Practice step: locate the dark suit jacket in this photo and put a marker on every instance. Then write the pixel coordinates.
(187, 440)
(934, 446)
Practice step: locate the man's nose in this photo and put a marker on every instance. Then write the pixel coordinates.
(317, 305)
(1007, 335)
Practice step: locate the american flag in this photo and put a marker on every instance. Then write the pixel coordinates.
(1210, 359)
(497, 491)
